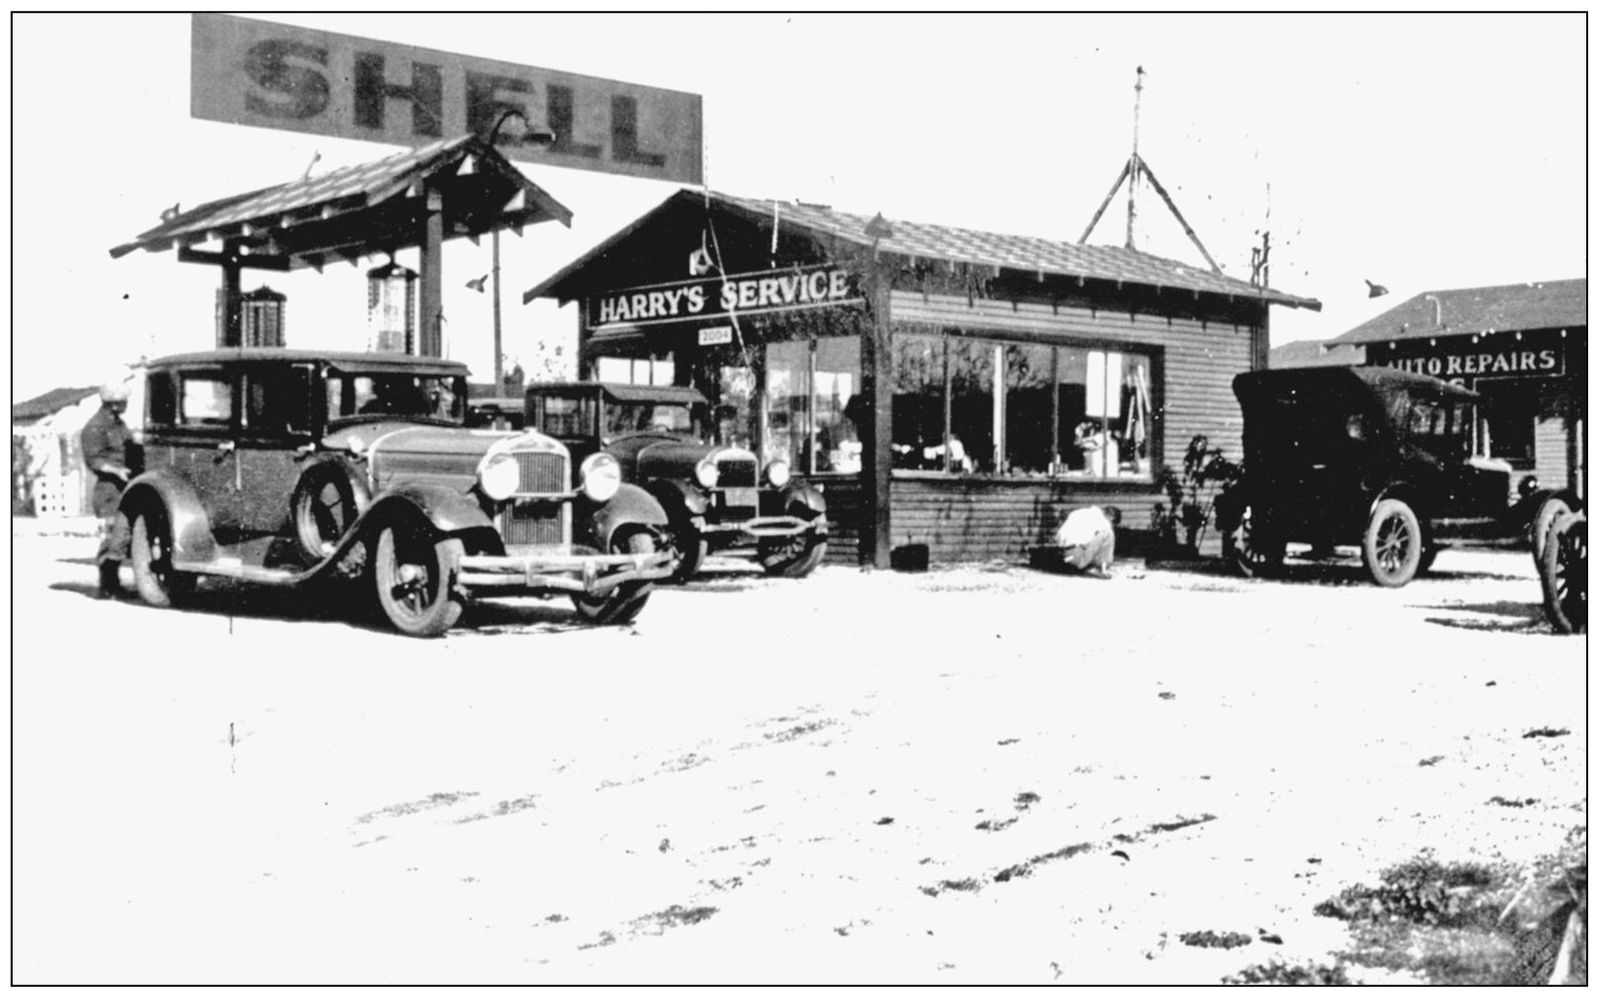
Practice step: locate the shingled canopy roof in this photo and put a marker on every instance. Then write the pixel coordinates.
(347, 213)
(1488, 309)
(1031, 255)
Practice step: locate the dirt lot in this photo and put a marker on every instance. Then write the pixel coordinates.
(974, 775)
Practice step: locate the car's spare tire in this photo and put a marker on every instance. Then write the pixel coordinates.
(332, 494)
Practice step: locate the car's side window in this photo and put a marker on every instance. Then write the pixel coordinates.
(161, 402)
(276, 400)
(206, 398)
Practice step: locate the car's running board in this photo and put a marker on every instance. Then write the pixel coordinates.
(231, 567)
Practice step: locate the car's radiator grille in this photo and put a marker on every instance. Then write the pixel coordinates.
(539, 523)
(541, 473)
(737, 474)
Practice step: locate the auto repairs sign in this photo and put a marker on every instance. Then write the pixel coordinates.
(1463, 360)
(778, 290)
(261, 74)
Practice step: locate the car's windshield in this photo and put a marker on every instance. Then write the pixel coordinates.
(368, 393)
(635, 417)
(1440, 425)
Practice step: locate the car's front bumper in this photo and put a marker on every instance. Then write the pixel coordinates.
(762, 527)
(588, 574)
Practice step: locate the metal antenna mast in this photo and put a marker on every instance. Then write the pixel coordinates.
(1133, 166)
(1133, 169)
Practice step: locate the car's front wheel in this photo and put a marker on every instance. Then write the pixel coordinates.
(692, 550)
(1393, 544)
(1564, 574)
(158, 584)
(624, 602)
(414, 578)
(792, 557)
(1543, 525)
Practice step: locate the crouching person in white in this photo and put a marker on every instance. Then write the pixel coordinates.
(1087, 539)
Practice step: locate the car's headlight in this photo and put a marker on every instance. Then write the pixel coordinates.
(777, 474)
(498, 477)
(599, 477)
(707, 473)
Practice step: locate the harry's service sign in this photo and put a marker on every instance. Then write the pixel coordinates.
(261, 74)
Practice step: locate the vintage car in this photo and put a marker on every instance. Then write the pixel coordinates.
(1368, 456)
(716, 499)
(496, 413)
(288, 467)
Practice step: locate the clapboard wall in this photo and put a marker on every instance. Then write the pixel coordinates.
(977, 518)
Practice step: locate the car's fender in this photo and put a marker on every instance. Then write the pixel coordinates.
(632, 506)
(1412, 495)
(191, 527)
(801, 499)
(446, 510)
(1527, 505)
(681, 499)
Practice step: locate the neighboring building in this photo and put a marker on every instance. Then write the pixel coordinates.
(1523, 347)
(47, 472)
(946, 387)
(1313, 353)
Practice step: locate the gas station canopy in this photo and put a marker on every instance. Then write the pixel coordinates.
(348, 213)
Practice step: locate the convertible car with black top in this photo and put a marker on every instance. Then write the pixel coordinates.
(1376, 457)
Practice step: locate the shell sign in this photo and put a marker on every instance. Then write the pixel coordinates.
(261, 74)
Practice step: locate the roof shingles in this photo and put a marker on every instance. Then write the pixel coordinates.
(1486, 309)
(1033, 255)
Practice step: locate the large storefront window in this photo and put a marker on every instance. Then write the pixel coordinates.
(733, 419)
(918, 401)
(836, 369)
(1023, 410)
(808, 408)
(785, 409)
(1029, 427)
(972, 366)
(1509, 413)
(635, 371)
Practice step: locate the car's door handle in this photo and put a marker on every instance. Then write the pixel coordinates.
(1317, 467)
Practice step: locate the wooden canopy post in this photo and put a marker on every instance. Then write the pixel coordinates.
(874, 537)
(429, 295)
(230, 331)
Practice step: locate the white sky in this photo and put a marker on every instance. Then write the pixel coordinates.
(1418, 151)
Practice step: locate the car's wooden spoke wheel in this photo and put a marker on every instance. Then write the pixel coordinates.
(415, 577)
(1255, 553)
(1393, 545)
(1564, 574)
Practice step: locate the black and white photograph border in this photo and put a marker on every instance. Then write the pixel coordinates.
(1041, 714)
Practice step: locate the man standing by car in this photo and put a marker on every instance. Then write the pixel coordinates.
(106, 441)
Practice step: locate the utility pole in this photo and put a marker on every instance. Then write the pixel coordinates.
(495, 305)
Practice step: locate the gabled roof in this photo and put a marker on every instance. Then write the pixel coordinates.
(1030, 255)
(54, 400)
(1489, 309)
(355, 209)
(1314, 353)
